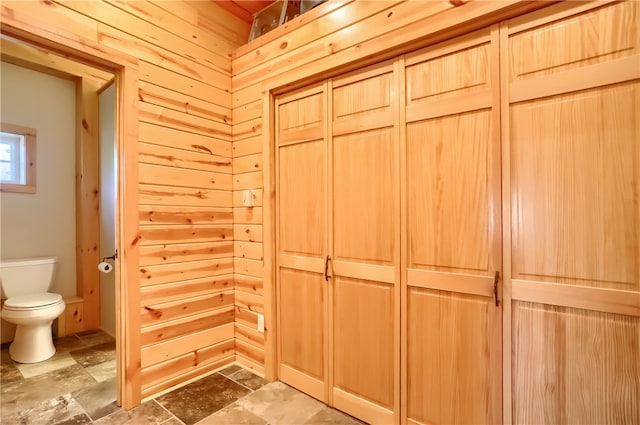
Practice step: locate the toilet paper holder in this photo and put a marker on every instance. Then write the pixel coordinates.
(113, 257)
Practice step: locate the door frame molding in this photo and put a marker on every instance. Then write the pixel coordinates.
(61, 41)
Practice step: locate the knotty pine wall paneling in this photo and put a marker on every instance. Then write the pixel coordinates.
(248, 237)
(185, 212)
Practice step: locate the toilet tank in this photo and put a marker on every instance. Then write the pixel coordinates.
(24, 276)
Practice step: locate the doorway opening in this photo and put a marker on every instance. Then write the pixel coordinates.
(96, 73)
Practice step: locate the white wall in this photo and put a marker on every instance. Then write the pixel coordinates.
(108, 180)
(44, 223)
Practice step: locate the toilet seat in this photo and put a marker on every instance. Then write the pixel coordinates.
(33, 301)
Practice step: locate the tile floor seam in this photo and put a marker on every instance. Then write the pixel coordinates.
(83, 409)
(241, 384)
(169, 411)
(171, 418)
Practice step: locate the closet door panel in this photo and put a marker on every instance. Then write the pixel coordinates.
(572, 134)
(365, 243)
(575, 172)
(454, 333)
(353, 100)
(363, 339)
(302, 240)
(363, 304)
(463, 71)
(574, 366)
(364, 100)
(451, 364)
(301, 115)
(453, 341)
(363, 193)
(449, 193)
(302, 327)
(302, 199)
(600, 35)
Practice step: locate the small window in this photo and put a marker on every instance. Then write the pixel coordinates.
(17, 159)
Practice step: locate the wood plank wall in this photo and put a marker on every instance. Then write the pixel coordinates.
(331, 39)
(185, 170)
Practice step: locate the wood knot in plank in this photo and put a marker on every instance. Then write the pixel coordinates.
(156, 313)
(202, 148)
(284, 45)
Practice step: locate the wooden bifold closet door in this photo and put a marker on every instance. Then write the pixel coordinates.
(365, 243)
(339, 194)
(452, 339)
(338, 242)
(301, 228)
(571, 132)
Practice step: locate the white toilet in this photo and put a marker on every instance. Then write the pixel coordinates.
(28, 305)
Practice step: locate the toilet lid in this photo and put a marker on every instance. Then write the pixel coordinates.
(40, 300)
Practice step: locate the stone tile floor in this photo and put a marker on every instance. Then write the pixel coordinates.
(78, 385)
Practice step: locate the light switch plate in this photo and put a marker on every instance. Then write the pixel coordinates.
(261, 323)
(247, 198)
